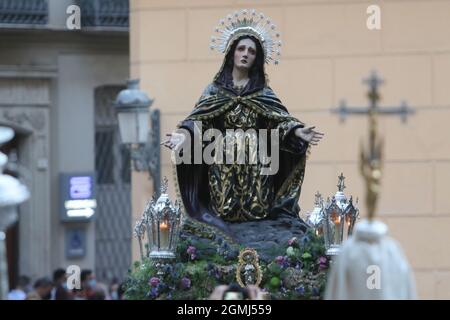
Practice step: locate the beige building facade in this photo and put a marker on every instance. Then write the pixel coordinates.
(327, 51)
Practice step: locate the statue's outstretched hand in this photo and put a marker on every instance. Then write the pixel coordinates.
(175, 140)
(309, 135)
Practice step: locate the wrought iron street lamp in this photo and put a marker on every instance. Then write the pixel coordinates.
(132, 106)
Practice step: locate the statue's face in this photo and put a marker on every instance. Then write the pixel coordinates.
(245, 54)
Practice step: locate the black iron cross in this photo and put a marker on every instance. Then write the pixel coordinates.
(373, 82)
(371, 159)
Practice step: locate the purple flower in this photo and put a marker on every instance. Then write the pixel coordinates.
(154, 292)
(286, 262)
(322, 263)
(279, 260)
(192, 252)
(292, 241)
(154, 281)
(185, 283)
(282, 261)
(300, 290)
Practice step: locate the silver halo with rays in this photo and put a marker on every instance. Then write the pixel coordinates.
(248, 22)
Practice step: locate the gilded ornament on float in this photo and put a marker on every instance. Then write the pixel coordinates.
(248, 271)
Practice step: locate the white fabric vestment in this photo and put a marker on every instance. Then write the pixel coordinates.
(370, 266)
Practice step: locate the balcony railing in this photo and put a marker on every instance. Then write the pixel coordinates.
(26, 12)
(104, 13)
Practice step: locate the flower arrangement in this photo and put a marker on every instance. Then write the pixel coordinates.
(298, 272)
(301, 272)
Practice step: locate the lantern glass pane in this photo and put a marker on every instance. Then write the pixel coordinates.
(143, 126)
(164, 234)
(133, 127)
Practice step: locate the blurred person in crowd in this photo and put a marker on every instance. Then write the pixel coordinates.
(102, 287)
(114, 289)
(60, 291)
(42, 290)
(98, 293)
(121, 291)
(88, 284)
(21, 290)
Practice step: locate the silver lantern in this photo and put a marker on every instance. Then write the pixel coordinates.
(339, 218)
(315, 218)
(160, 224)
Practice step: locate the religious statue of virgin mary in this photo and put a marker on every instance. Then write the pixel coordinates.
(238, 103)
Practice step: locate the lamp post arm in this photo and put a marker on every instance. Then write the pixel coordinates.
(154, 151)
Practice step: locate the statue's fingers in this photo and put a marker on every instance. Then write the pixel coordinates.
(167, 143)
(318, 136)
(177, 147)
